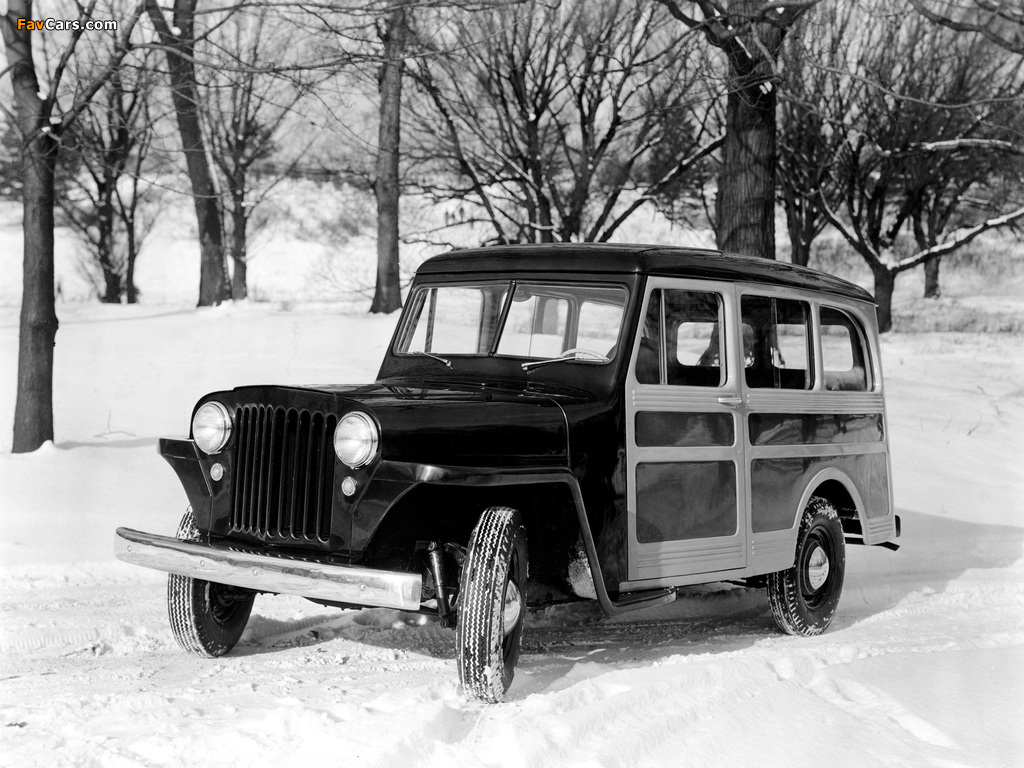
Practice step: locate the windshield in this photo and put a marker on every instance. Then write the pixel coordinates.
(524, 319)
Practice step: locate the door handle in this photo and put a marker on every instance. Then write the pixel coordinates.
(733, 400)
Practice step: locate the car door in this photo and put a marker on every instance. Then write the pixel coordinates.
(686, 497)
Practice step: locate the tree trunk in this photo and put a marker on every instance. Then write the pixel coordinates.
(128, 218)
(801, 234)
(213, 282)
(132, 293)
(932, 290)
(239, 255)
(387, 296)
(885, 281)
(106, 243)
(745, 206)
(33, 410)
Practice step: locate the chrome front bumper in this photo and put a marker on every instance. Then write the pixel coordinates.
(340, 583)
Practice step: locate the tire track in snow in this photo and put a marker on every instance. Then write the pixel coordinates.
(875, 708)
(31, 641)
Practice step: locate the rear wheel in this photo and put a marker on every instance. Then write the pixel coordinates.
(492, 604)
(804, 598)
(207, 618)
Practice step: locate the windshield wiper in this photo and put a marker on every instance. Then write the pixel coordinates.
(432, 356)
(576, 353)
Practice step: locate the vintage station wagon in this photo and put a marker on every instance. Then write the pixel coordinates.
(549, 423)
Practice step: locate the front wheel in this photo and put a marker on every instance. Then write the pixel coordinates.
(804, 598)
(492, 604)
(207, 618)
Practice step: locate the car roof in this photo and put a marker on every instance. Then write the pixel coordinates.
(580, 259)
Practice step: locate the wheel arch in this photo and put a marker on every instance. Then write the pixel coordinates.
(836, 487)
(546, 504)
(477, 489)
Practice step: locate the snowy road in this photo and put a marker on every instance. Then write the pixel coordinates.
(924, 665)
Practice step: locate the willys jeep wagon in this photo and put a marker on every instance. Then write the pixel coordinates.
(549, 423)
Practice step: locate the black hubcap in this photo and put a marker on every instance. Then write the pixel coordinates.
(225, 603)
(815, 570)
(512, 608)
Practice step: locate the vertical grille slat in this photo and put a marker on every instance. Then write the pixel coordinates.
(274, 481)
(284, 474)
(238, 488)
(279, 491)
(258, 467)
(261, 479)
(319, 475)
(309, 476)
(327, 490)
(246, 481)
(293, 478)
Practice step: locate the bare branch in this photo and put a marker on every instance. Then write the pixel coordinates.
(1002, 26)
(959, 238)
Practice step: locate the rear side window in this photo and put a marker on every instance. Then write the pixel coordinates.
(842, 352)
(681, 342)
(776, 348)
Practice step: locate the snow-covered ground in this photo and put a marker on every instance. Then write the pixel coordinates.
(923, 666)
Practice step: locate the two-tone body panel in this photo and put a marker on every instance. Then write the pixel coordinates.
(721, 470)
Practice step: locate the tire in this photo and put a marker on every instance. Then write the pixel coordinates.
(492, 605)
(206, 618)
(804, 598)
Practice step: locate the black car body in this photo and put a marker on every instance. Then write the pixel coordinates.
(512, 422)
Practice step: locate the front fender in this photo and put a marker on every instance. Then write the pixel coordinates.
(183, 456)
(409, 475)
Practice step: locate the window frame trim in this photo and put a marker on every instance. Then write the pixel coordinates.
(814, 338)
(729, 310)
(859, 330)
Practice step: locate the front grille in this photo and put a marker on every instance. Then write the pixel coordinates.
(284, 473)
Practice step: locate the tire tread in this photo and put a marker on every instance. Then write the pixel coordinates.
(189, 611)
(478, 634)
(784, 597)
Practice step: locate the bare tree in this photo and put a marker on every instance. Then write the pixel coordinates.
(394, 35)
(906, 159)
(380, 37)
(178, 39)
(374, 40)
(550, 129)
(106, 149)
(41, 121)
(750, 34)
(251, 87)
(968, 165)
(806, 143)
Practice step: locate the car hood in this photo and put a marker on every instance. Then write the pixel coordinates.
(440, 424)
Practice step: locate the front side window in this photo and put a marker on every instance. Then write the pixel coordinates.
(776, 348)
(681, 340)
(538, 321)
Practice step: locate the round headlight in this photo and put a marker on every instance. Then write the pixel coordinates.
(211, 427)
(356, 439)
